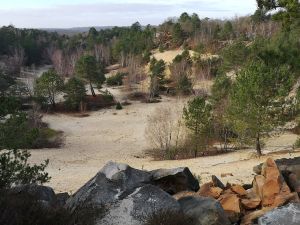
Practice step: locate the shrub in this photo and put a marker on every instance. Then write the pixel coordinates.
(297, 143)
(119, 106)
(116, 80)
(107, 96)
(15, 169)
(16, 132)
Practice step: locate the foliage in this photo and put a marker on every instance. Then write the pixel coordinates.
(75, 93)
(48, 86)
(16, 132)
(197, 116)
(288, 11)
(234, 56)
(181, 69)
(119, 106)
(116, 80)
(15, 169)
(297, 143)
(256, 99)
(157, 75)
(221, 88)
(88, 69)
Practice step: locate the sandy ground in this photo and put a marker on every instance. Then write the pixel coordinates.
(107, 134)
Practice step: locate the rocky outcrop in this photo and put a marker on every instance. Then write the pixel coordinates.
(286, 215)
(113, 182)
(134, 208)
(205, 211)
(40, 193)
(120, 194)
(175, 180)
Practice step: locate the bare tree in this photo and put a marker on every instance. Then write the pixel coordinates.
(165, 130)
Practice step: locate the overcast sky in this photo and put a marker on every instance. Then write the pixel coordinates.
(85, 13)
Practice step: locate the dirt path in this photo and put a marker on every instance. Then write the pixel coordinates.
(119, 136)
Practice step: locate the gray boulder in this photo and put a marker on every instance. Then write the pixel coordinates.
(205, 211)
(40, 193)
(286, 215)
(112, 183)
(175, 180)
(137, 206)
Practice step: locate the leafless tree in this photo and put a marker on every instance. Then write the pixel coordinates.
(165, 129)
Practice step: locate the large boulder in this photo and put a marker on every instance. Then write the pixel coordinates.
(113, 182)
(175, 180)
(40, 193)
(205, 211)
(136, 207)
(119, 194)
(286, 215)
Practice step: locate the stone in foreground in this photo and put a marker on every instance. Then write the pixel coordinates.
(286, 215)
(205, 211)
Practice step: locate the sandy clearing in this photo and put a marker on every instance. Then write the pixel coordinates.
(106, 135)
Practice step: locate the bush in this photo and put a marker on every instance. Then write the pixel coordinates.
(297, 143)
(116, 80)
(16, 132)
(15, 170)
(119, 106)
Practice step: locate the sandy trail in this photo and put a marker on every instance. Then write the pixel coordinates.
(107, 134)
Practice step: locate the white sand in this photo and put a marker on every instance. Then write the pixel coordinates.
(93, 141)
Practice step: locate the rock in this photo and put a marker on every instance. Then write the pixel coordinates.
(185, 194)
(239, 190)
(231, 205)
(226, 175)
(251, 200)
(281, 200)
(252, 203)
(61, 198)
(175, 180)
(217, 182)
(113, 182)
(286, 215)
(252, 216)
(121, 195)
(294, 183)
(270, 189)
(205, 211)
(257, 184)
(247, 186)
(41, 193)
(134, 208)
(292, 165)
(208, 190)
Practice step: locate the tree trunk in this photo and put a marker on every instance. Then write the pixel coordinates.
(258, 146)
(92, 90)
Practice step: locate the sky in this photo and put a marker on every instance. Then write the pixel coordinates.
(86, 13)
